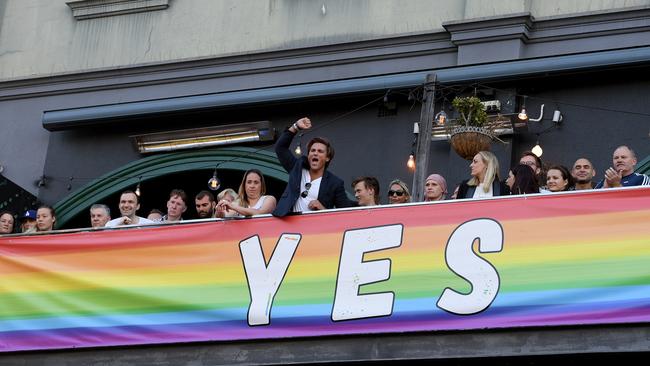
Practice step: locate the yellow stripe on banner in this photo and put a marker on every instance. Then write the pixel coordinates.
(186, 275)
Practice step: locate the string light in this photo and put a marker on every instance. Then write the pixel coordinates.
(537, 150)
(522, 114)
(298, 150)
(411, 163)
(137, 188)
(441, 118)
(43, 180)
(214, 183)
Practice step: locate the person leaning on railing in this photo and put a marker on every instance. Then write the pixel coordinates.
(7, 222)
(129, 204)
(45, 218)
(435, 188)
(252, 197)
(100, 214)
(522, 180)
(485, 180)
(398, 192)
(311, 186)
(229, 195)
(621, 173)
(366, 191)
(535, 163)
(559, 179)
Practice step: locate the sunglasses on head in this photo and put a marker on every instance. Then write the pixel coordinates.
(396, 193)
(306, 191)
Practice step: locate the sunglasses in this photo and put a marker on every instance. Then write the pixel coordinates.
(306, 191)
(396, 193)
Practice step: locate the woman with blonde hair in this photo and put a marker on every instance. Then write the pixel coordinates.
(485, 181)
(252, 199)
(230, 196)
(398, 192)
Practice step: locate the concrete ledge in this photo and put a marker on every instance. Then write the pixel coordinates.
(563, 343)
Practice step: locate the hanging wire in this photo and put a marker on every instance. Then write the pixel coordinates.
(557, 102)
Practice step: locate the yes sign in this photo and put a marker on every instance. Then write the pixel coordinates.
(264, 279)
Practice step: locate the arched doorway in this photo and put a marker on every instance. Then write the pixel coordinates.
(188, 170)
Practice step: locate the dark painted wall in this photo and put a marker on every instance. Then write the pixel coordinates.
(601, 111)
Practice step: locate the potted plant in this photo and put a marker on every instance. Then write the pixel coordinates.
(469, 135)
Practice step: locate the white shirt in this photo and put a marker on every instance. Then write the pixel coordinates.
(480, 193)
(118, 222)
(302, 203)
(259, 203)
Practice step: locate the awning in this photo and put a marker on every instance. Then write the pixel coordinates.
(63, 119)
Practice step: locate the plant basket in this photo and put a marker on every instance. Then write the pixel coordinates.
(467, 141)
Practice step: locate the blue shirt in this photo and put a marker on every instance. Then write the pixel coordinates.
(634, 179)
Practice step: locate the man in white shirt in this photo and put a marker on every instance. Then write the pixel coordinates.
(129, 205)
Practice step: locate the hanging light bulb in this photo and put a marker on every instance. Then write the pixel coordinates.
(440, 118)
(214, 183)
(537, 150)
(523, 115)
(137, 188)
(298, 149)
(411, 162)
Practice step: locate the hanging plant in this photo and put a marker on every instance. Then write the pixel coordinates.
(469, 134)
(471, 110)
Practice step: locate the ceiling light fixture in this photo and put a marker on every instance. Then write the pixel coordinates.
(204, 137)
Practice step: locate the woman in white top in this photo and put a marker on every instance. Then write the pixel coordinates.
(252, 200)
(485, 178)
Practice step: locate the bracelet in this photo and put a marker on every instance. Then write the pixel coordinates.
(295, 125)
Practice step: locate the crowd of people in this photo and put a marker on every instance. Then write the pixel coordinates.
(312, 187)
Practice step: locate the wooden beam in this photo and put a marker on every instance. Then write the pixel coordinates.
(423, 142)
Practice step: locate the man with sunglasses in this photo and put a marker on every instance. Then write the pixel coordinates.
(311, 187)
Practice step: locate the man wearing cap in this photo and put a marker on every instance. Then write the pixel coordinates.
(28, 222)
(129, 205)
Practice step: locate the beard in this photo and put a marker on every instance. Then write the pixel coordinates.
(205, 215)
(583, 181)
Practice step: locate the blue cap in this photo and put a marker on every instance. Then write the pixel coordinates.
(29, 214)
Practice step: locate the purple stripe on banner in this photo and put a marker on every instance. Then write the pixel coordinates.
(218, 331)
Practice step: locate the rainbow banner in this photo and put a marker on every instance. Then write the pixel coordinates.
(540, 260)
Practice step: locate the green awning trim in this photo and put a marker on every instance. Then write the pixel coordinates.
(234, 158)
